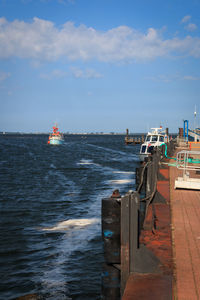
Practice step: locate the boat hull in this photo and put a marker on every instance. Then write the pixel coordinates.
(53, 141)
(143, 156)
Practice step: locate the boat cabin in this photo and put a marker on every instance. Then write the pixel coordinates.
(153, 139)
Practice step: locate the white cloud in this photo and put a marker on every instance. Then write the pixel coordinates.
(171, 78)
(41, 40)
(88, 73)
(46, 1)
(59, 1)
(54, 74)
(191, 78)
(162, 78)
(185, 19)
(76, 72)
(191, 27)
(10, 93)
(66, 1)
(4, 75)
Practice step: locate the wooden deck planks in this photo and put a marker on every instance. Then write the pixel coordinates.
(185, 207)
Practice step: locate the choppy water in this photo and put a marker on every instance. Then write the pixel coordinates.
(50, 212)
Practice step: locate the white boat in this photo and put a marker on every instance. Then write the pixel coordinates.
(55, 138)
(155, 138)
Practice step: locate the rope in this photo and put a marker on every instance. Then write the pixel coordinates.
(142, 177)
(149, 198)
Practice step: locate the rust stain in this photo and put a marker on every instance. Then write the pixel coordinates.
(159, 240)
(165, 173)
(157, 237)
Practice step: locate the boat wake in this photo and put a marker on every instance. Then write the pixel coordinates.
(124, 155)
(77, 235)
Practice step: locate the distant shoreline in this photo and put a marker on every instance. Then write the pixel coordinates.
(70, 133)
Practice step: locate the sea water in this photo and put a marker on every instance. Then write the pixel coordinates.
(50, 212)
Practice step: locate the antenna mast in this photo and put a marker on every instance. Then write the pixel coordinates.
(195, 114)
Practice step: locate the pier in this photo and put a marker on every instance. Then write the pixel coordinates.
(157, 237)
(134, 140)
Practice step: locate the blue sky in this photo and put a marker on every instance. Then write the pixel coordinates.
(93, 65)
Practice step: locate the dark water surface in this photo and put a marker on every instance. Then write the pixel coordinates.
(50, 212)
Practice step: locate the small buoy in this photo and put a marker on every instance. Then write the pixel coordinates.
(48, 142)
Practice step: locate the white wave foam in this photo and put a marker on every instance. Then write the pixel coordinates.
(72, 224)
(120, 177)
(123, 172)
(55, 275)
(52, 166)
(85, 162)
(121, 181)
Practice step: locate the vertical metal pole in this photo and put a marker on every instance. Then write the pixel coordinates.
(184, 129)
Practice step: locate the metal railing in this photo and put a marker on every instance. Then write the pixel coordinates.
(189, 162)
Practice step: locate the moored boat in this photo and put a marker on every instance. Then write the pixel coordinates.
(56, 138)
(154, 139)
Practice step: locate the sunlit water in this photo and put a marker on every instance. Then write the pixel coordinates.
(50, 212)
